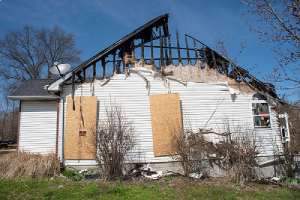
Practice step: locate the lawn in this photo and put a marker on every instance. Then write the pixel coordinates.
(171, 188)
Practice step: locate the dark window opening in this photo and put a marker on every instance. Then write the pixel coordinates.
(260, 111)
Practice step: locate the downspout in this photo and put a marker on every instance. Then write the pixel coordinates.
(63, 132)
(57, 127)
(19, 126)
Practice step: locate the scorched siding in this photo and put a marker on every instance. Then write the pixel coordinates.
(38, 127)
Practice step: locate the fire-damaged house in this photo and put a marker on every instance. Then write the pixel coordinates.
(158, 80)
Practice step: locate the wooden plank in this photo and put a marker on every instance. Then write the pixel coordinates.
(166, 122)
(79, 146)
(178, 48)
(187, 49)
(151, 51)
(94, 71)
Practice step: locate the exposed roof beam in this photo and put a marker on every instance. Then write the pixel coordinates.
(136, 34)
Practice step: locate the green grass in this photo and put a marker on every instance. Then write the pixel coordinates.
(163, 189)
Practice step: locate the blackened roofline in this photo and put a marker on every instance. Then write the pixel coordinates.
(142, 33)
(243, 73)
(158, 21)
(133, 35)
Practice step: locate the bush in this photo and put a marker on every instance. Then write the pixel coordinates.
(191, 152)
(235, 154)
(114, 139)
(21, 165)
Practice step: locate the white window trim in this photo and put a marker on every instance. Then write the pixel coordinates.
(269, 109)
(287, 136)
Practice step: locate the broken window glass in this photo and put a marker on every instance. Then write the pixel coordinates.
(261, 114)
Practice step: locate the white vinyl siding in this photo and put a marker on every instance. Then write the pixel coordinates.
(38, 127)
(204, 105)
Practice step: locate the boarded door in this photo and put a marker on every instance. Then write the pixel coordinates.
(79, 140)
(166, 122)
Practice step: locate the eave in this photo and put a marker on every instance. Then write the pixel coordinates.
(33, 97)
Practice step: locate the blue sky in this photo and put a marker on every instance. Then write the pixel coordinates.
(98, 23)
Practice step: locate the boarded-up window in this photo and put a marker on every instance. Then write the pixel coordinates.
(79, 136)
(166, 122)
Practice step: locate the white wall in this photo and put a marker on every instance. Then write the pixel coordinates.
(38, 126)
(204, 105)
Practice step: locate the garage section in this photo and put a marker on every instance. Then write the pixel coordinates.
(38, 121)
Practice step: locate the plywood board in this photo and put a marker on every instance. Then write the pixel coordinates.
(79, 134)
(166, 122)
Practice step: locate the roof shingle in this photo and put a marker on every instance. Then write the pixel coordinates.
(32, 88)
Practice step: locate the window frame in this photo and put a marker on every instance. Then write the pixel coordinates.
(284, 125)
(260, 101)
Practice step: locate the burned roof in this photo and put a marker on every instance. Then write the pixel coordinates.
(123, 46)
(151, 44)
(143, 32)
(32, 89)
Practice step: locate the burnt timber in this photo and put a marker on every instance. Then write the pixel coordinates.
(153, 39)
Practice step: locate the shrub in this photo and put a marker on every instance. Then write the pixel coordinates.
(235, 153)
(21, 164)
(237, 156)
(191, 151)
(114, 139)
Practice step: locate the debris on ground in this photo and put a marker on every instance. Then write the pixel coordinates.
(196, 175)
(140, 170)
(275, 179)
(90, 174)
(77, 175)
(292, 183)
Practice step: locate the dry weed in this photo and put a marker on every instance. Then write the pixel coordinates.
(21, 164)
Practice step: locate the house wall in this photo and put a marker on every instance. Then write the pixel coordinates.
(204, 105)
(38, 121)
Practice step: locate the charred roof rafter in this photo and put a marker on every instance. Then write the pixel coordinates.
(125, 44)
(122, 53)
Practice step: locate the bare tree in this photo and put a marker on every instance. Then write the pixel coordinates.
(58, 46)
(8, 121)
(21, 56)
(114, 139)
(26, 54)
(278, 22)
